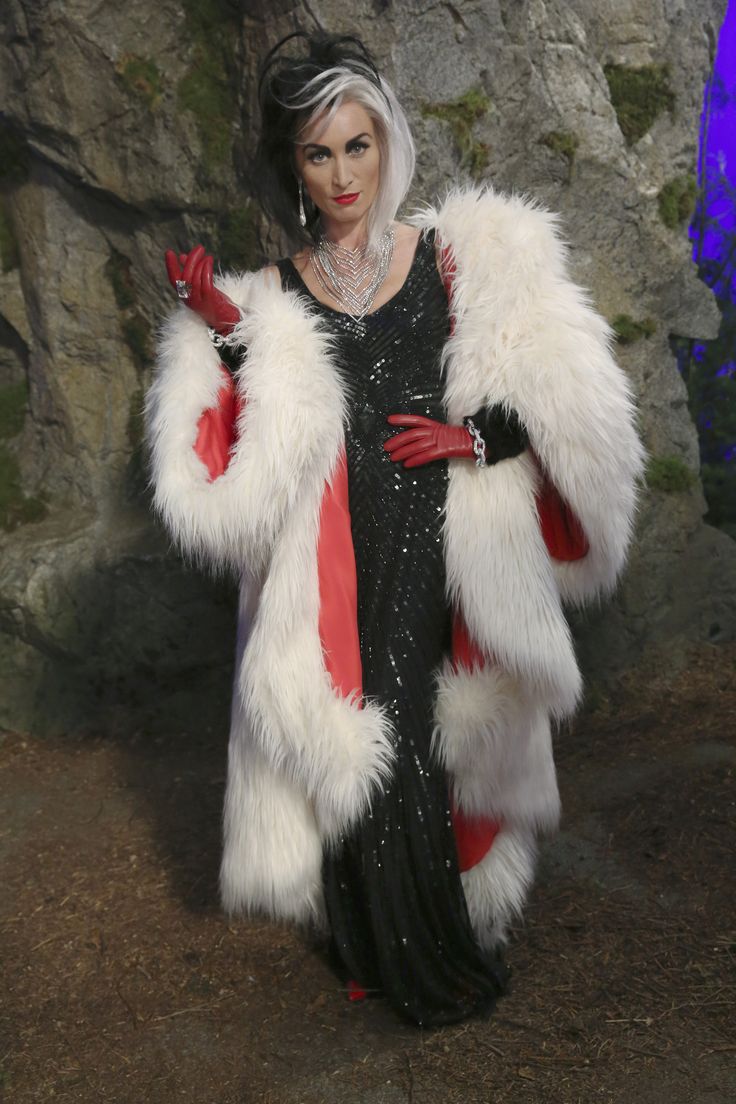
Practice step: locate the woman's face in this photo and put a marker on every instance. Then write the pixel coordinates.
(340, 163)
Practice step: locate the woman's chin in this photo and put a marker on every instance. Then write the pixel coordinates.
(345, 214)
(349, 213)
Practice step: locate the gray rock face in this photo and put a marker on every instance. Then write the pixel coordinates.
(128, 130)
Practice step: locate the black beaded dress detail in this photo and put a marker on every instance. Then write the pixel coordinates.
(392, 885)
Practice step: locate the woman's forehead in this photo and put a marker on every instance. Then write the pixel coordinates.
(350, 119)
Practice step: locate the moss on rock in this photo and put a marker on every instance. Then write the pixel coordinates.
(136, 475)
(137, 336)
(677, 201)
(119, 272)
(203, 92)
(14, 168)
(14, 158)
(13, 406)
(237, 239)
(207, 89)
(9, 255)
(134, 327)
(563, 143)
(16, 508)
(628, 329)
(141, 76)
(461, 115)
(638, 96)
(669, 474)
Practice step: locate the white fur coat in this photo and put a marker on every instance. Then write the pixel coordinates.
(302, 758)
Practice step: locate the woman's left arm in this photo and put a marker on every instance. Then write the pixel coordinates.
(548, 358)
(579, 409)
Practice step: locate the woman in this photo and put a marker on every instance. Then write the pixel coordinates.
(402, 648)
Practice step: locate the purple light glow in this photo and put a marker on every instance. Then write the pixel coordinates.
(708, 367)
(713, 228)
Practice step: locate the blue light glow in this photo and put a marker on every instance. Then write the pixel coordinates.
(713, 227)
(709, 366)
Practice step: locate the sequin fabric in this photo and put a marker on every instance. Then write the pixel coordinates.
(394, 898)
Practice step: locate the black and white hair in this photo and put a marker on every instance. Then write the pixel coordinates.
(293, 93)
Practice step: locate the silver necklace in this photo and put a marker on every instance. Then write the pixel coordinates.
(352, 277)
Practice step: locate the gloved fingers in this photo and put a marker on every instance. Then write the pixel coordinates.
(172, 267)
(410, 420)
(406, 438)
(413, 449)
(182, 259)
(405, 449)
(207, 271)
(192, 260)
(424, 457)
(196, 282)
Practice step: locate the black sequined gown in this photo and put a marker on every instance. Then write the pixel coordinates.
(392, 887)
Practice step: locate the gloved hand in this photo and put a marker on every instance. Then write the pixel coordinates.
(195, 268)
(427, 440)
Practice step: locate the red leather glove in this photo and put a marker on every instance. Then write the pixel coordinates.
(427, 440)
(195, 268)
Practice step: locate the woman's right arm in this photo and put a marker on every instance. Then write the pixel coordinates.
(203, 471)
(217, 429)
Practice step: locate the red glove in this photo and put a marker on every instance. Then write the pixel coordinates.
(427, 440)
(195, 269)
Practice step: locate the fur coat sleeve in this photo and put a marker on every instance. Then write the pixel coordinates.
(232, 521)
(527, 337)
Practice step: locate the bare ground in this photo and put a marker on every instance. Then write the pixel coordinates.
(123, 982)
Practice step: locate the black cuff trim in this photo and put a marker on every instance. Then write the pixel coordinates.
(504, 435)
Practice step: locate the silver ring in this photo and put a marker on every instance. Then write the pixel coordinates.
(183, 289)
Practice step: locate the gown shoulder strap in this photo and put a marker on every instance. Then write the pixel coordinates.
(290, 278)
(284, 266)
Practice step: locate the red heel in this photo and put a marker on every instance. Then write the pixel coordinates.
(355, 991)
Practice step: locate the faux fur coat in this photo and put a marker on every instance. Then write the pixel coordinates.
(305, 749)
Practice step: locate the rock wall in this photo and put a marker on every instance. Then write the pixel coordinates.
(127, 130)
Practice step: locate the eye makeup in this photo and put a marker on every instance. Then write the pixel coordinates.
(312, 150)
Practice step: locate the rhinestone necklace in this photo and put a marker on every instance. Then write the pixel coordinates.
(352, 277)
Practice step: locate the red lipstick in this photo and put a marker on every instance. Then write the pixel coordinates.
(346, 197)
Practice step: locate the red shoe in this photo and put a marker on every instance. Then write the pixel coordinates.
(355, 991)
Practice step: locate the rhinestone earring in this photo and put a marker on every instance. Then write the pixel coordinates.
(302, 213)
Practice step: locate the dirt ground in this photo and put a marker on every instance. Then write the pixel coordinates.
(123, 982)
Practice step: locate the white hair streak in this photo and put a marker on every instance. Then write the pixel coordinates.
(325, 94)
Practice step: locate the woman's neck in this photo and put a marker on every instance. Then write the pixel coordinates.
(347, 235)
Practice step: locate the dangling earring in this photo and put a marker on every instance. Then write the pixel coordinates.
(302, 213)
